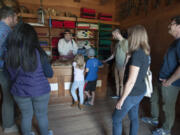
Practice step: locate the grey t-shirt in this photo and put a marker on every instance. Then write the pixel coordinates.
(141, 60)
(120, 55)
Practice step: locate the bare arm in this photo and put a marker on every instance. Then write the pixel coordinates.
(133, 73)
(87, 70)
(108, 59)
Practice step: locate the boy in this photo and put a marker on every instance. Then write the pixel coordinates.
(92, 66)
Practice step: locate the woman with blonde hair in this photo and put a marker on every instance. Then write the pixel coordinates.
(78, 65)
(134, 81)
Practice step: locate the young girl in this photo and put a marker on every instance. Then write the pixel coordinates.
(78, 66)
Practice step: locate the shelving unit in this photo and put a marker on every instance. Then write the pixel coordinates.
(49, 34)
(105, 41)
(25, 15)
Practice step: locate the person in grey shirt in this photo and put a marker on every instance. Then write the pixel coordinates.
(119, 54)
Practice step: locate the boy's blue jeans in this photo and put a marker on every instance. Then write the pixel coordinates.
(38, 105)
(80, 85)
(130, 106)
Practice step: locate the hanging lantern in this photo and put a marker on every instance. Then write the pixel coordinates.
(41, 14)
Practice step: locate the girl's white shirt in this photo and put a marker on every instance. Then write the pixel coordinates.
(78, 73)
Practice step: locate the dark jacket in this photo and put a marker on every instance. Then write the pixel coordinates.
(32, 84)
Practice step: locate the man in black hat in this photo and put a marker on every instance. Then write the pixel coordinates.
(67, 47)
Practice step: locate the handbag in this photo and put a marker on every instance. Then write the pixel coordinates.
(148, 82)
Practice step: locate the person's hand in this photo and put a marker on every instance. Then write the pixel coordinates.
(166, 83)
(119, 104)
(162, 80)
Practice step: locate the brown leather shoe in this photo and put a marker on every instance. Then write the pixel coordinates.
(81, 106)
(74, 104)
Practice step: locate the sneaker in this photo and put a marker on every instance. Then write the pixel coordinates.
(150, 121)
(161, 131)
(12, 129)
(89, 99)
(115, 97)
(50, 132)
(32, 133)
(88, 104)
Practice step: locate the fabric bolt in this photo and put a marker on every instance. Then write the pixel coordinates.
(105, 42)
(89, 17)
(105, 18)
(54, 42)
(57, 24)
(87, 10)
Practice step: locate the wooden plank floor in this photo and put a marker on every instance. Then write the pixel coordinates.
(96, 120)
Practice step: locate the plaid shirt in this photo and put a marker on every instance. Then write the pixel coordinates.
(4, 32)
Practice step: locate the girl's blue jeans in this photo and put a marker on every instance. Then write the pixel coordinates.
(30, 105)
(78, 85)
(130, 107)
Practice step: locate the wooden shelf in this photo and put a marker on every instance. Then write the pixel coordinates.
(61, 28)
(45, 46)
(25, 15)
(43, 36)
(88, 29)
(86, 39)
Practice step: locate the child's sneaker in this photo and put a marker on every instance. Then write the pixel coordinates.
(161, 131)
(12, 129)
(50, 132)
(150, 121)
(74, 104)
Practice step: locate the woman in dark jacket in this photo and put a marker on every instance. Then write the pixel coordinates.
(29, 68)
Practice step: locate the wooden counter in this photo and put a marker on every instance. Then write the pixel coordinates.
(63, 78)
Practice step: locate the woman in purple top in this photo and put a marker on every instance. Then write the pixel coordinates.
(29, 68)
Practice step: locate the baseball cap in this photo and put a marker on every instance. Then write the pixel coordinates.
(91, 52)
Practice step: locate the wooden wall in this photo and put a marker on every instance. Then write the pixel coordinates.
(71, 6)
(156, 23)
